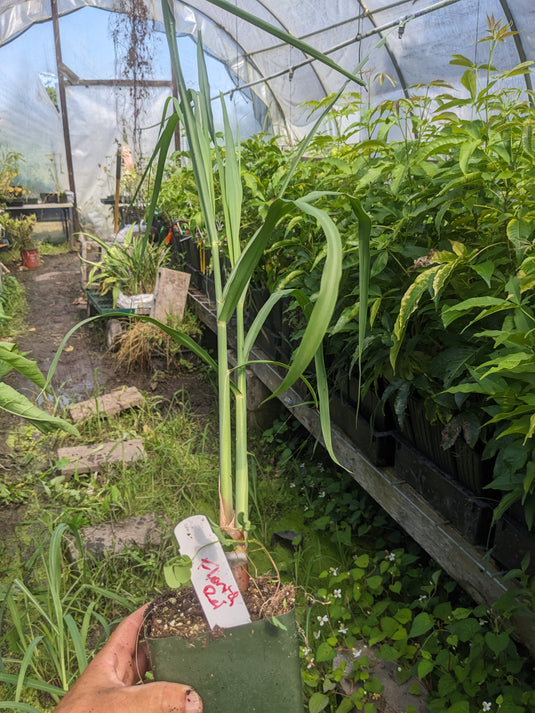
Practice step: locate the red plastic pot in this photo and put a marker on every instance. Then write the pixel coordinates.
(30, 258)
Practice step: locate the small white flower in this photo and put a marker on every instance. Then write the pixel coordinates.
(305, 508)
(486, 706)
(342, 630)
(482, 622)
(323, 619)
(334, 570)
(337, 594)
(322, 494)
(317, 634)
(310, 663)
(356, 653)
(422, 597)
(292, 485)
(400, 669)
(391, 557)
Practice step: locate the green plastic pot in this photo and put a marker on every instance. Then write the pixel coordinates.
(248, 669)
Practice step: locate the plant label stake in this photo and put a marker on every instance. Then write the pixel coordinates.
(211, 576)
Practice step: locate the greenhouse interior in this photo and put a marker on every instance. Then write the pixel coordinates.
(267, 352)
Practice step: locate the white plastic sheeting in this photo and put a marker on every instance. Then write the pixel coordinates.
(412, 41)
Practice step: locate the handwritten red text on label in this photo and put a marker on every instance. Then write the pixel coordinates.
(217, 592)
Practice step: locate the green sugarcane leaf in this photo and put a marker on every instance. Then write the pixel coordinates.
(323, 309)
(285, 37)
(259, 320)
(250, 257)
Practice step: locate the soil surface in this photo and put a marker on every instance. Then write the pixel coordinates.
(56, 302)
(180, 614)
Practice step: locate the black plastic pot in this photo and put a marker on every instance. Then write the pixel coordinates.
(378, 446)
(513, 541)
(469, 515)
(248, 669)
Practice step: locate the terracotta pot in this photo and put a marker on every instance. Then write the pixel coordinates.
(30, 258)
(247, 669)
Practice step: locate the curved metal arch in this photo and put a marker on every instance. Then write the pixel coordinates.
(518, 42)
(233, 39)
(320, 81)
(395, 63)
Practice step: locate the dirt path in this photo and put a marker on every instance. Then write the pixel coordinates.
(55, 304)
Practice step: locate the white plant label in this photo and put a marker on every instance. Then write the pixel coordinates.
(211, 576)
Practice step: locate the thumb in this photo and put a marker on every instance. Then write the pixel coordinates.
(158, 697)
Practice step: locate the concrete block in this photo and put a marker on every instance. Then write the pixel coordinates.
(108, 404)
(95, 458)
(143, 531)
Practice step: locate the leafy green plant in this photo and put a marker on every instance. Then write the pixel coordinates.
(464, 656)
(20, 231)
(9, 165)
(16, 403)
(130, 267)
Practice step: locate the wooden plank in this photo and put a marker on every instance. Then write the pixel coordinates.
(95, 458)
(170, 294)
(470, 566)
(108, 404)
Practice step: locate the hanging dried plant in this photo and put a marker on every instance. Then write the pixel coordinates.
(132, 38)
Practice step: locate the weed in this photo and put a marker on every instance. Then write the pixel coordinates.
(51, 618)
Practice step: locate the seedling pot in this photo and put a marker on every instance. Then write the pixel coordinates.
(247, 669)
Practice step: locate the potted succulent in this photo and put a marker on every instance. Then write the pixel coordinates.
(20, 231)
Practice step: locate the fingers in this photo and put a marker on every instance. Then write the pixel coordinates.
(148, 698)
(157, 697)
(121, 658)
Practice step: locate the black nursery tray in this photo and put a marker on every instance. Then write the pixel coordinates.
(377, 446)
(469, 515)
(103, 304)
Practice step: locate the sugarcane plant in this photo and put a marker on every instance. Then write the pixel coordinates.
(212, 155)
(209, 156)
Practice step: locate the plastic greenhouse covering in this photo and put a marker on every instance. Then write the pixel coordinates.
(267, 82)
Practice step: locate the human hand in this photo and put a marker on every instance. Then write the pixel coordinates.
(108, 683)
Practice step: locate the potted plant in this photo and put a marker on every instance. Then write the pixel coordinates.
(9, 163)
(20, 230)
(129, 270)
(254, 666)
